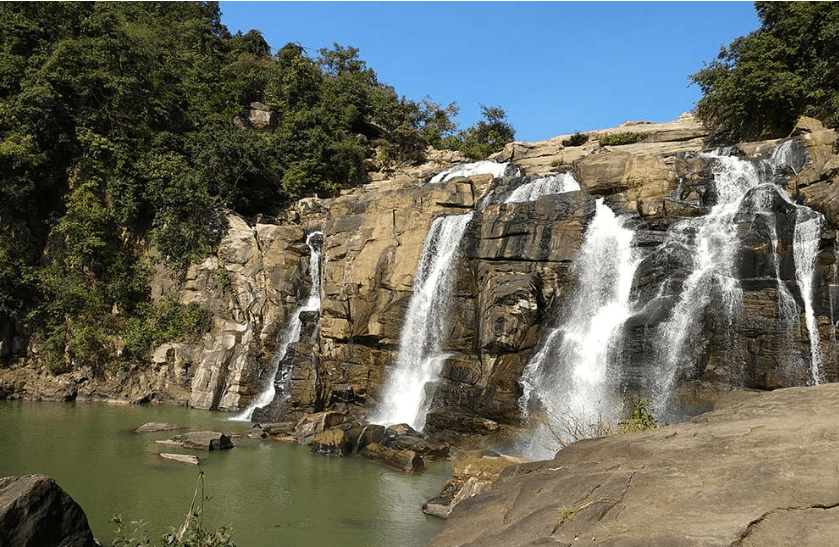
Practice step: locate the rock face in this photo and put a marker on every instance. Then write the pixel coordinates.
(36, 512)
(758, 470)
(515, 278)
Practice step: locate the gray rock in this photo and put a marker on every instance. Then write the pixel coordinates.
(204, 440)
(758, 470)
(36, 512)
(153, 427)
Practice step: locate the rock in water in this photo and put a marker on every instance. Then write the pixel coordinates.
(403, 460)
(203, 440)
(154, 427)
(36, 512)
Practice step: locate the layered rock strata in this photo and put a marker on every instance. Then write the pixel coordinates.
(511, 285)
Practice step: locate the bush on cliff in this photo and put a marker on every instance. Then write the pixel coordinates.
(762, 83)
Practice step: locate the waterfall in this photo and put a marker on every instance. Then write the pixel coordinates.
(420, 353)
(714, 242)
(485, 167)
(570, 377)
(543, 186)
(279, 378)
(806, 246)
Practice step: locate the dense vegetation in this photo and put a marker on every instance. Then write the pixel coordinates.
(117, 137)
(760, 84)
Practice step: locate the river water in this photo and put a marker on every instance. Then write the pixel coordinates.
(271, 493)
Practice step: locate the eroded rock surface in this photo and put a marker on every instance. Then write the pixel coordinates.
(758, 470)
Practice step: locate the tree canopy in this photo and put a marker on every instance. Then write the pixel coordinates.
(761, 83)
(117, 131)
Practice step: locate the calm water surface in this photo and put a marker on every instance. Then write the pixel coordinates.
(271, 493)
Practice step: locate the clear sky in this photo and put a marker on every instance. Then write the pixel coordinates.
(554, 67)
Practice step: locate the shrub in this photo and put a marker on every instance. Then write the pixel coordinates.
(617, 139)
(641, 419)
(577, 139)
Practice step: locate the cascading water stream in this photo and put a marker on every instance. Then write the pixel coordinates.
(570, 378)
(484, 167)
(713, 239)
(806, 237)
(291, 334)
(714, 242)
(420, 355)
(543, 186)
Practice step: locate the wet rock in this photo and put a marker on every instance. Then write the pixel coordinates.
(333, 442)
(312, 425)
(455, 419)
(36, 512)
(428, 450)
(401, 460)
(189, 459)
(203, 440)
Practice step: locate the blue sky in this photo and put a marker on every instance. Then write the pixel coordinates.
(554, 67)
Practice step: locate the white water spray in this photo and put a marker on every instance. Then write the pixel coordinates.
(570, 377)
(290, 335)
(805, 247)
(543, 186)
(485, 167)
(420, 355)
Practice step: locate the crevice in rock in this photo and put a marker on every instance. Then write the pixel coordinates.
(758, 521)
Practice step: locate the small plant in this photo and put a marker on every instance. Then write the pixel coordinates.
(567, 515)
(577, 139)
(617, 139)
(224, 280)
(190, 534)
(557, 162)
(641, 419)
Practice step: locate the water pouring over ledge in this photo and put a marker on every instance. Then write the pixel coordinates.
(278, 378)
(420, 343)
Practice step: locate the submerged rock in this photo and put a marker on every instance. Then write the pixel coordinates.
(153, 427)
(36, 512)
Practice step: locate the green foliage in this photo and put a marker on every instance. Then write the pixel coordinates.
(488, 135)
(760, 84)
(166, 321)
(641, 419)
(116, 133)
(577, 139)
(617, 139)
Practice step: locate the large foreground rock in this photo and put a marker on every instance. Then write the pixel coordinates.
(36, 512)
(758, 470)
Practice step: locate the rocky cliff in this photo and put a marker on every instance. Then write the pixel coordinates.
(511, 286)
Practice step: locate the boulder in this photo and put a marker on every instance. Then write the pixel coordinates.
(203, 440)
(428, 450)
(333, 442)
(312, 425)
(401, 460)
(470, 476)
(36, 512)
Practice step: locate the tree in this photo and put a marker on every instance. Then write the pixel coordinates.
(760, 84)
(488, 135)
